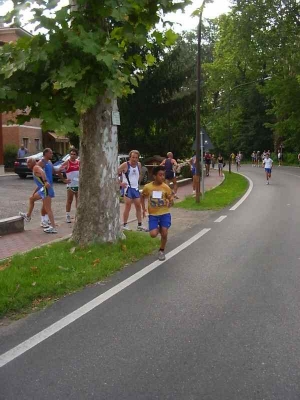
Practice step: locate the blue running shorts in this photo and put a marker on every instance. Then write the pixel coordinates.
(268, 170)
(132, 193)
(163, 220)
(44, 192)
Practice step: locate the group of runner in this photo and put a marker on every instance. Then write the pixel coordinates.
(42, 172)
(158, 193)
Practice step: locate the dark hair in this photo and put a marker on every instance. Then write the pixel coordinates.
(157, 169)
(74, 150)
(46, 151)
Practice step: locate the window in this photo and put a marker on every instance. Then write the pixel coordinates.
(37, 144)
(25, 142)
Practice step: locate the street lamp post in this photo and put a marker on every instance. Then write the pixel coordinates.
(229, 109)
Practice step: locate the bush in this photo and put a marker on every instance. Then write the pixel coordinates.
(185, 171)
(10, 154)
(290, 158)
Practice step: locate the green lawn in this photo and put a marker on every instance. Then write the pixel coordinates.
(32, 280)
(233, 187)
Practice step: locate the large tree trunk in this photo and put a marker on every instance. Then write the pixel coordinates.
(98, 212)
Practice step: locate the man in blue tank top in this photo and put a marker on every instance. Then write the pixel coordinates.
(43, 177)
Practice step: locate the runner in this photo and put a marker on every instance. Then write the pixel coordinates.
(72, 171)
(131, 176)
(193, 170)
(238, 162)
(46, 164)
(258, 159)
(43, 191)
(268, 163)
(160, 199)
(207, 160)
(253, 158)
(220, 165)
(170, 163)
(232, 157)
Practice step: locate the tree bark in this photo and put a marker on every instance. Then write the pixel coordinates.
(98, 212)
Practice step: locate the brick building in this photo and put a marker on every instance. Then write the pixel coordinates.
(30, 134)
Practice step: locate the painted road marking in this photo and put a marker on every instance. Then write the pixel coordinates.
(220, 219)
(68, 319)
(245, 195)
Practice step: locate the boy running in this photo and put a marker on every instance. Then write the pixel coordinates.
(160, 199)
(268, 163)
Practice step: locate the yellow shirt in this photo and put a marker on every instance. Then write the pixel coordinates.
(157, 198)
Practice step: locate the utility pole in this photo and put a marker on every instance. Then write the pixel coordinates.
(199, 136)
(1, 148)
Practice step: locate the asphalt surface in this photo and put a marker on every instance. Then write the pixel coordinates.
(15, 192)
(220, 320)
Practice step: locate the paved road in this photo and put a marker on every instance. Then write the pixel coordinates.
(219, 320)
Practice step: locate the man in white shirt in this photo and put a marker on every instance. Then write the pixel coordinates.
(268, 163)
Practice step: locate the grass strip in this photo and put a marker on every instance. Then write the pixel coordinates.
(233, 187)
(32, 280)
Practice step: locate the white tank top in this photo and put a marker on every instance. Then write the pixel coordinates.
(133, 175)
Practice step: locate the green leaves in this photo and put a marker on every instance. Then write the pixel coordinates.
(92, 49)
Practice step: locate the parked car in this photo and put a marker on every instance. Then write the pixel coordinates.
(20, 166)
(145, 175)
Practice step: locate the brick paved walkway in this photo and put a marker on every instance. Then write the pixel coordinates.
(33, 237)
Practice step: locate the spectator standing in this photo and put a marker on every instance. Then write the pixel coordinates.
(279, 158)
(213, 161)
(299, 159)
(22, 151)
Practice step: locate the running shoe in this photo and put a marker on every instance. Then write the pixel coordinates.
(142, 228)
(161, 255)
(126, 228)
(44, 224)
(50, 230)
(176, 197)
(68, 219)
(24, 216)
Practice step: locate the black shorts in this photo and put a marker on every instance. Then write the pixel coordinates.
(170, 175)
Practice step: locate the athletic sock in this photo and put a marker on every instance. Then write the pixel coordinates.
(68, 214)
(139, 224)
(161, 249)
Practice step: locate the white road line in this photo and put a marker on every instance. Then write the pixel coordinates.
(220, 219)
(288, 173)
(68, 319)
(245, 195)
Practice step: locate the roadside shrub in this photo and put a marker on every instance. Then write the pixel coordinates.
(185, 171)
(290, 158)
(10, 154)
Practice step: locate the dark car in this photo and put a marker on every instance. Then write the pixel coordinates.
(20, 166)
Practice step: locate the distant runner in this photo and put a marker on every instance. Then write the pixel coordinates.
(268, 163)
(170, 163)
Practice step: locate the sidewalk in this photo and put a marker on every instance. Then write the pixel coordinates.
(34, 236)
